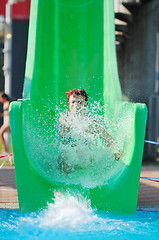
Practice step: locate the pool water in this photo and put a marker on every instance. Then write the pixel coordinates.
(71, 219)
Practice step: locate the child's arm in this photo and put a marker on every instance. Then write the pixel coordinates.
(108, 140)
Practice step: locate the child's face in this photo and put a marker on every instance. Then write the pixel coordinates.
(77, 103)
(2, 100)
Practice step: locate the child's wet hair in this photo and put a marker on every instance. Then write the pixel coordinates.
(5, 96)
(77, 92)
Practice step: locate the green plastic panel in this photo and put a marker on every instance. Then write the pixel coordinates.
(72, 45)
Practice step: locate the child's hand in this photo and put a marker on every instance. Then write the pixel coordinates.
(118, 155)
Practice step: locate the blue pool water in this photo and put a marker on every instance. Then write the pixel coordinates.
(70, 219)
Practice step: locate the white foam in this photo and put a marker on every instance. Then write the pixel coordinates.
(67, 212)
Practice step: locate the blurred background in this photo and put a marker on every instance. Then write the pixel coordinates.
(137, 47)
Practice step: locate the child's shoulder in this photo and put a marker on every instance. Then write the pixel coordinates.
(6, 105)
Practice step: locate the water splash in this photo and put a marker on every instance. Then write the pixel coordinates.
(89, 159)
(67, 212)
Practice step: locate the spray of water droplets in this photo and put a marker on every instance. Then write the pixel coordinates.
(75, 150)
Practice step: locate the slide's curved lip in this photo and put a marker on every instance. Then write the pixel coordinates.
(122, 167)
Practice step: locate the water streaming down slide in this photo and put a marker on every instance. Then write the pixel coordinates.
(72, 45)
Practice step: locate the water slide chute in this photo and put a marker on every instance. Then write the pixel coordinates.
(72, 45)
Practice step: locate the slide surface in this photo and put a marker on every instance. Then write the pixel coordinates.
(72, 45)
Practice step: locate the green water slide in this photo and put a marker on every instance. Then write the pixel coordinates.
(72, 45)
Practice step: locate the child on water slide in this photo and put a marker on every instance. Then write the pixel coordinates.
(77, 101)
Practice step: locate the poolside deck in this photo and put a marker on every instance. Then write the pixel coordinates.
(8, 189)
(148, 190)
